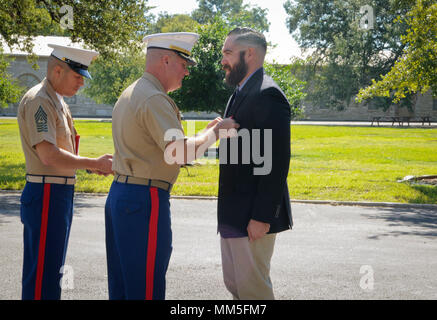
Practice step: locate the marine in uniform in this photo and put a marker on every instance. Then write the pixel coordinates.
(137, 211)
(50, 145)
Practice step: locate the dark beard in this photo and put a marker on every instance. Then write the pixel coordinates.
(238, 72)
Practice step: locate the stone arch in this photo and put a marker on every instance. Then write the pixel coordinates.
(28, 80)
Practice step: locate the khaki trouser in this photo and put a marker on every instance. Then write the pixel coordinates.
(246, 267)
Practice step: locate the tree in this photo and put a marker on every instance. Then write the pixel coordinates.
(10, 91)
(347, 52)
(173, 23)
(105, 26)
(112, 76)
(204, 89)
(290, 85)
(233, 12)
(416, 70)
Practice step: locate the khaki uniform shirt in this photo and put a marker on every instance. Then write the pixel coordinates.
(140, 119)
(43, 117)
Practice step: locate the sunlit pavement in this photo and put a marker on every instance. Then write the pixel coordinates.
(333, 252)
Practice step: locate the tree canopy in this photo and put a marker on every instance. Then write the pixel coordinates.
(112, 76)
(104, 25)
(173, 23)
(416, 70)
(233, 12)
(290, 85)
(204, 89)
(346, 52)
(115, 28)
(10, 91)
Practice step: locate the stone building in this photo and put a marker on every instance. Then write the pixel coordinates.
(80, 105)
(424, 107)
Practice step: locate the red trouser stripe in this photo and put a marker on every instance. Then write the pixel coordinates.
(151, 244)
(42, 241)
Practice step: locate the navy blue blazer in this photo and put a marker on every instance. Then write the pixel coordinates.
(244, 195)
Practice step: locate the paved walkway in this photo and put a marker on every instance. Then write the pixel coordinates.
(333, 252)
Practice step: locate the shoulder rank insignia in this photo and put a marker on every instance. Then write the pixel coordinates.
(41, 120)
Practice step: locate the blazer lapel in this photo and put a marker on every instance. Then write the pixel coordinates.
(228, 105)
(255, 78)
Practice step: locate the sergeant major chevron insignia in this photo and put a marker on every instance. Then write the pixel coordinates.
(41, 120)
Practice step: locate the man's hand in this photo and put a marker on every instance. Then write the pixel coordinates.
(213, 122)
(257, 229)
(103, 165)
(225, 128)
(51, 155)
(184, 151)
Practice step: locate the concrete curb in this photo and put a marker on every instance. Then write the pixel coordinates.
(321, 202)
(337, 203)
(369, 204)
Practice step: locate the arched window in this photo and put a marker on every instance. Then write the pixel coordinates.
(28, 80)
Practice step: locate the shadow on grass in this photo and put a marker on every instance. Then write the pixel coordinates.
(12, 173)
(428, 194)
(407, 222)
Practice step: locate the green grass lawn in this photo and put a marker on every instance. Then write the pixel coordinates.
(327, 163)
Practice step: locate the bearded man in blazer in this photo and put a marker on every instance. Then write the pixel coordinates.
(253, 201)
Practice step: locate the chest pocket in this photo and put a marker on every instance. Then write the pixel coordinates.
(62, 129)
(63, 134)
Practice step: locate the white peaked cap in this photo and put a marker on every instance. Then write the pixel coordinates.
(77, 59)
(180, 42)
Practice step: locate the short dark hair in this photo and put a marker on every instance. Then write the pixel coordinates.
(250, 37)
